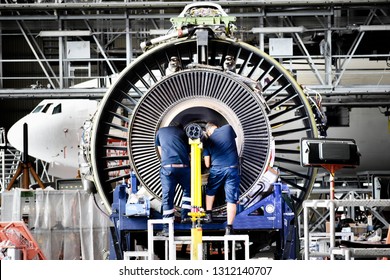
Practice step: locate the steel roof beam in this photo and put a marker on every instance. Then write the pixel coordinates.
(180, 5)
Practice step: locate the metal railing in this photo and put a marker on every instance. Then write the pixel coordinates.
(9, 160)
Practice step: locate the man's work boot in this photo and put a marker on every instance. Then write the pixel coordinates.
(185, 219)
(208, 218)
(229, 230)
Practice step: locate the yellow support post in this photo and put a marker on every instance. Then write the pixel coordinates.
(196, 199)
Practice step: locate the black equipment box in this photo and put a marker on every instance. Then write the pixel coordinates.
(321, 151)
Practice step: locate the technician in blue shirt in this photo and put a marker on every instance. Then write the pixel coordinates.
(174, 151)
(220, 153)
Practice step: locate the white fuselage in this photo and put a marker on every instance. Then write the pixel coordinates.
(54, 131)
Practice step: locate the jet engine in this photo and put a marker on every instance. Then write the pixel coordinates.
(202, 73)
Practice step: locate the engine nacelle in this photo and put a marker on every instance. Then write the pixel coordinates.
(195, 79)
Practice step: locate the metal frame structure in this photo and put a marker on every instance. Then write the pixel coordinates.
(328, 36)
(18, 237)
(332, 205)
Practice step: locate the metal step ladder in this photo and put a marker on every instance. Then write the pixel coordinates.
(16, 236)
(9, 160)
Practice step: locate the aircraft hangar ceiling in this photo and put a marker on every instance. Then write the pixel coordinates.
(339, 49)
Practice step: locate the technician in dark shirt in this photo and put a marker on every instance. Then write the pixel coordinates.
(220, 153)
(174, 150)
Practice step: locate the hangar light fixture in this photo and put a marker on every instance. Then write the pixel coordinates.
(64, 33)
(293, 29)
(158, 31)
(374, 27)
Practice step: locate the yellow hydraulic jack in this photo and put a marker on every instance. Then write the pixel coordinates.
(194, 131)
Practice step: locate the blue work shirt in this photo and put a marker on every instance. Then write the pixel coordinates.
(174, 144)
(221, 147)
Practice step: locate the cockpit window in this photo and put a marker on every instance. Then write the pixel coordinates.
(57, 109)
(37, 109)
(47, 106)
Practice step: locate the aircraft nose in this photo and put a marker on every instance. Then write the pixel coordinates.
(15, 135)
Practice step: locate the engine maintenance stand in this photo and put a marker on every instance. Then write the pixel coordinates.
(275, 212)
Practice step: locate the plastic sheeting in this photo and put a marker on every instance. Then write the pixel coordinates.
(66, 224)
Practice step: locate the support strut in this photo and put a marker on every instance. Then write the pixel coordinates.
(25, 167)
(194, 131)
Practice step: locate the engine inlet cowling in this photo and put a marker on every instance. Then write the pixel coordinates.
(151, 93)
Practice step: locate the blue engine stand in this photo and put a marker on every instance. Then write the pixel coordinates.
(274, 212)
